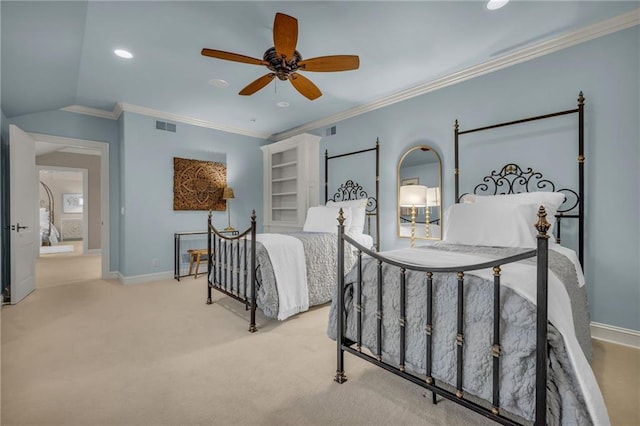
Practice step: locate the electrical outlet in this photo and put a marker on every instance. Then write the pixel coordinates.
(154, 262)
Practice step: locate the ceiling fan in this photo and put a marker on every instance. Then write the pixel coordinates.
(284, 61)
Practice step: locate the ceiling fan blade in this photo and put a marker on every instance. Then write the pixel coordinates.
(232, 57)
(285, 35)
(256, 85)
(305, 86)
(330, 63)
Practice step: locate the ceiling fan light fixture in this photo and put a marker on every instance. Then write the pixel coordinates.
(284, 61)
(123, 53)
(496, 4)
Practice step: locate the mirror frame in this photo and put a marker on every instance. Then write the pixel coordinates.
(409, 151)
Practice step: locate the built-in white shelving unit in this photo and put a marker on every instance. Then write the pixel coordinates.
(291, 179)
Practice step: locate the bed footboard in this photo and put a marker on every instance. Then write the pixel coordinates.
(454, 393)
(231, 266)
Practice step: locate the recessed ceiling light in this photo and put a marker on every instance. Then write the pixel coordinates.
(219, 83)
(496, 4)
(283, 104)
(123, 53)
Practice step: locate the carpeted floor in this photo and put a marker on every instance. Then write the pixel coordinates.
(97, 352)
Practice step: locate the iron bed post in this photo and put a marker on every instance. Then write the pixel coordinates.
(456, 166)
(340, 376)
(252, 325)
(541, 316)
(209, 283)
(326, 176)
(581, 159)
(377, 194)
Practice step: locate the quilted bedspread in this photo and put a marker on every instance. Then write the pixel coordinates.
(567, 399)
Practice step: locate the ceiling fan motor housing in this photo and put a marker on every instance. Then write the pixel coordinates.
(281, 67)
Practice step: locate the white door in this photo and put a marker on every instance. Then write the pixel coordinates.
(25, 231)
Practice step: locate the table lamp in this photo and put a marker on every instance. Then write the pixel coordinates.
(227, 194)
(413, 196)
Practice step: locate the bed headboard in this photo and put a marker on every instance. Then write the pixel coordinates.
(512, 178)
(351, 190)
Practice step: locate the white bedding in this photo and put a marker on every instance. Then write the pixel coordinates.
(287, 258)
(522, 279)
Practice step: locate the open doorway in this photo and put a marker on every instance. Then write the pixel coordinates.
(80, 209)
(64, 210)
(68, 208)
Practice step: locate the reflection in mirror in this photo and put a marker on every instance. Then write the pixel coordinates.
(420, 165)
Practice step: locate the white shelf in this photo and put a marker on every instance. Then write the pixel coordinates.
(291, 163)
(284, 208)
(284, 194)
(284, 179)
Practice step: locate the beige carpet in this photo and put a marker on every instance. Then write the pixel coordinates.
(100, 353)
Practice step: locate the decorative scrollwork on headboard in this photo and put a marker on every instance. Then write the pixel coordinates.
(351, 190)
(512, 179)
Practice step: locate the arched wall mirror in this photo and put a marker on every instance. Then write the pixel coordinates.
(420, 165)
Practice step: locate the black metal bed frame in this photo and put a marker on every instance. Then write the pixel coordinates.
(221, 248)
(510, 176)
(428, 381)
(351, 190)
(222, 265)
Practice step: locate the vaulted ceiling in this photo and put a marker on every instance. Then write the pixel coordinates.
(56, 54)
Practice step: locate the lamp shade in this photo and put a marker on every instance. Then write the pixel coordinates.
(433, 196)
(413, 195)
(228, 193)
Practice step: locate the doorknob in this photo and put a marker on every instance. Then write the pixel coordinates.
(21, 227)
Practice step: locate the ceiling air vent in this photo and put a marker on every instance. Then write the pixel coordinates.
(169, 127)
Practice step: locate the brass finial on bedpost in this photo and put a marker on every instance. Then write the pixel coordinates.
(580, 99)
(542, 225)
(253, 216)
(456, 126)
(341, 217)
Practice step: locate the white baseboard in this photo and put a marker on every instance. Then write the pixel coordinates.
(613, 334)
(112, 275)
(145, 278)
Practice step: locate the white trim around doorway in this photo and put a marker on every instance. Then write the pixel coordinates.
(103, 149)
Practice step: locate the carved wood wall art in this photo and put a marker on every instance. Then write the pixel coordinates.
(198, 185)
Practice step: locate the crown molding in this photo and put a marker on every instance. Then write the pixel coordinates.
(608, 26)
(125, 107)
(137, 109)
(94, 112)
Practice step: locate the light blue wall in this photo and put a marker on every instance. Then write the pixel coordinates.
(149, 220)
(606, 69)
(78, 126)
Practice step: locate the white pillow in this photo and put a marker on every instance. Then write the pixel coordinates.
(550, 200)
(491, 224)
(358, 212)
(325, 219)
